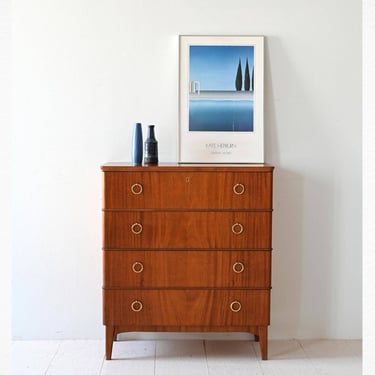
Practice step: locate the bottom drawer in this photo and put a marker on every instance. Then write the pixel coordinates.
(230, 307)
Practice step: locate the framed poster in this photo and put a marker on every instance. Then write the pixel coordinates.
(221, 99)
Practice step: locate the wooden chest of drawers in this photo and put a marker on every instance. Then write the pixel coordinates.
(187, 248)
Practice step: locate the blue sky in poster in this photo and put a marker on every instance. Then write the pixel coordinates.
(215, 67)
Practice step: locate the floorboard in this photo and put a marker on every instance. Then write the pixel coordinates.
(194, 356)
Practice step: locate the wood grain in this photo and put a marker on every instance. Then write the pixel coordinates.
(184, 229)
(187, 307)
(171, 237)
(189, 190)
(186, 269)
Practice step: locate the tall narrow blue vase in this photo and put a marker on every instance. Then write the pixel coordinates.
(137, 146)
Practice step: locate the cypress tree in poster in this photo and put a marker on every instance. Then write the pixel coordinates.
(239, 77)
(252, 80)
(247, 77)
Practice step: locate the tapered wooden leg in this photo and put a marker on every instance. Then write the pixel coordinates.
(255, 332)
(109, 335)
(263, 342)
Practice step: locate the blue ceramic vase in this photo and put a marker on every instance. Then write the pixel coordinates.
(137, 146)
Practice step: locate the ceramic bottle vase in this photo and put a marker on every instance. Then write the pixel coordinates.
(151, 147)
(137, 146)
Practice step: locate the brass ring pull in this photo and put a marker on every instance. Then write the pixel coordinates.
(237, 228)
(235, 306)
(136, 306)
(239, 189)
(238, 267)
(137, 267)
(136, 228)
(136, 189)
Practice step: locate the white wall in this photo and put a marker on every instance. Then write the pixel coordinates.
(5, 190)
(368, 137)
(85, 71)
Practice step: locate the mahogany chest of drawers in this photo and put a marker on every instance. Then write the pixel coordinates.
(187, 248)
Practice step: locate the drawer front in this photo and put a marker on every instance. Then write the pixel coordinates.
(190, 269)
(194, 230)
(167, 190)
(234, 307)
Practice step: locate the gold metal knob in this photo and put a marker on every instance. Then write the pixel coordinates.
(136, 228)
(238, 267)
(237, 228)
(136, 306)
(235, 306)
(136, 189)
(137, 267)
(239, 189)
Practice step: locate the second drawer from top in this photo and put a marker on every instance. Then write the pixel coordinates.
(193, 230)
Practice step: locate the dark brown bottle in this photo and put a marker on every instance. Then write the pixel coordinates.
(151, 147)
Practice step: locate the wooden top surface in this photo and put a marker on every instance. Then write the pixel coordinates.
(176, 167)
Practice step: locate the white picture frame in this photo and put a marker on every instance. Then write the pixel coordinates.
(221, 99)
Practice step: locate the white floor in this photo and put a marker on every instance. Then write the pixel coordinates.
(191, 356)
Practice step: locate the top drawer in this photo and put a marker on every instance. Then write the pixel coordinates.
(188, 190)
